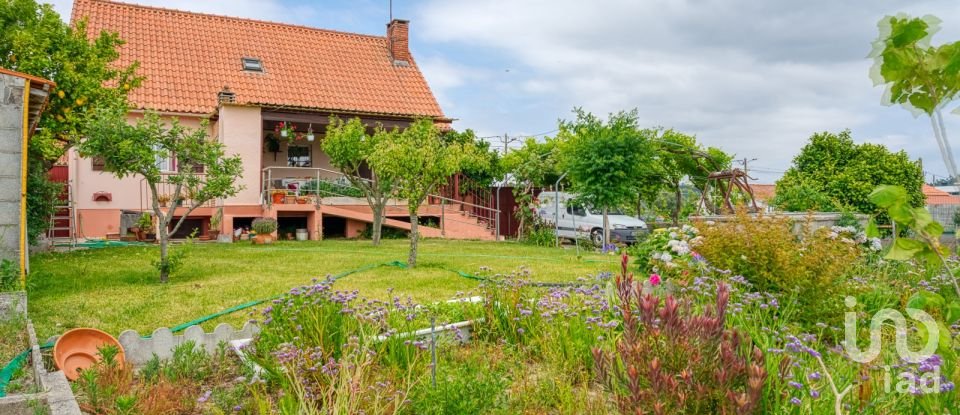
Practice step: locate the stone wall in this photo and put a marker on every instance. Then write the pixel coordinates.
(11, 144)
(13, 304)
(816, 220)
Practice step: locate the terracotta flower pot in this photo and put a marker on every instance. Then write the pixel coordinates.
(77, 350)
(278, 198)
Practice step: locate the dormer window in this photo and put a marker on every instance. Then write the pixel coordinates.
(252, 65)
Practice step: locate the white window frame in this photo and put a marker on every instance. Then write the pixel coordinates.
(165, 164)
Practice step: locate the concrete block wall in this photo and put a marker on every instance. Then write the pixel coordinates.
(139, 350)
(13, 305)
(11, 144)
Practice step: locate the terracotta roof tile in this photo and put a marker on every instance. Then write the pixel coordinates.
(763, 192)
(939, 197)
(187, 58)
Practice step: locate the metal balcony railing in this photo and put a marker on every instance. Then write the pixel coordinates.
(314, 184)
(166, 194)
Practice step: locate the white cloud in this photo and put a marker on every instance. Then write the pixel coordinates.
(755, 78)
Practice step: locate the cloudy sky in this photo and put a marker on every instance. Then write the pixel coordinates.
(755, 78)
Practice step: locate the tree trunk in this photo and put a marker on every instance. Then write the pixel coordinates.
(606, 228)
(639, 206)
(676, 209)
(378, 210)
(414, 238)
(164, 266)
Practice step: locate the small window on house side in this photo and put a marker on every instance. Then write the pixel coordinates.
(298, 156)
(252, 64)
(197, 168)
(165, 163)
(97, 164)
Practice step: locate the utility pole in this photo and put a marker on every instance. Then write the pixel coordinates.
(746, 171)
(506, 140)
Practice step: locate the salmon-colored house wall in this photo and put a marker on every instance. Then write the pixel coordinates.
(96, 219)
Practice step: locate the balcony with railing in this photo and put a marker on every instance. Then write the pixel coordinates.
(167, 194)
(307, 185)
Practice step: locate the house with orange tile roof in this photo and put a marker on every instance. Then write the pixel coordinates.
(942, 206)
(268, 99)
(763, 194)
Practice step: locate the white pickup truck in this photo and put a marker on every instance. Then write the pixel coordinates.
(575, 221)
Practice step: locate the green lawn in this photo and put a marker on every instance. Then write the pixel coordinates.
(114, 289)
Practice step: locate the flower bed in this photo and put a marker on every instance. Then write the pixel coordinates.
(696, 339)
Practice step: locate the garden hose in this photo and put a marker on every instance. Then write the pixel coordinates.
(7, 372)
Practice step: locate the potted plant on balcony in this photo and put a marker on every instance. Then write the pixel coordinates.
(277, 196)
(302, 200)
(163, 200)
(215, 221)
(290, 198)
(264, 228)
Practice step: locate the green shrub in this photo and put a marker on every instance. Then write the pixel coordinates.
(541, 236)
(472, 384)
(189, 362)
(326, 188)
(9, 275)
(667, 251)
(264, 225)
(803, 197)
(766, 251)
(386, 232)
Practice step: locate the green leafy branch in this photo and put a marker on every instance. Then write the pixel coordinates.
(925, 241)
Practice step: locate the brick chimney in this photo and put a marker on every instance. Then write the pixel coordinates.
(398, 33)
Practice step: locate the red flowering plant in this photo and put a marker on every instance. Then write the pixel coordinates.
(673, 360)
(287, 131)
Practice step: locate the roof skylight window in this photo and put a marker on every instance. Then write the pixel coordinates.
(252, 64)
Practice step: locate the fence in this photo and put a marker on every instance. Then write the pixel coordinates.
(944, 215)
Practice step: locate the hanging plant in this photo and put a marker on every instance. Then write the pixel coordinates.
(271, 143)
(286, 130)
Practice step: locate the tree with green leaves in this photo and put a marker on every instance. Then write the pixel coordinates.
(419, 160)
(923, 242)
(921, 77)
(833, 171)
(35, 40)
(678, 158)
(350, 148)
(604, 161)
(483, 169)
(134, 150)
(533, 165)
